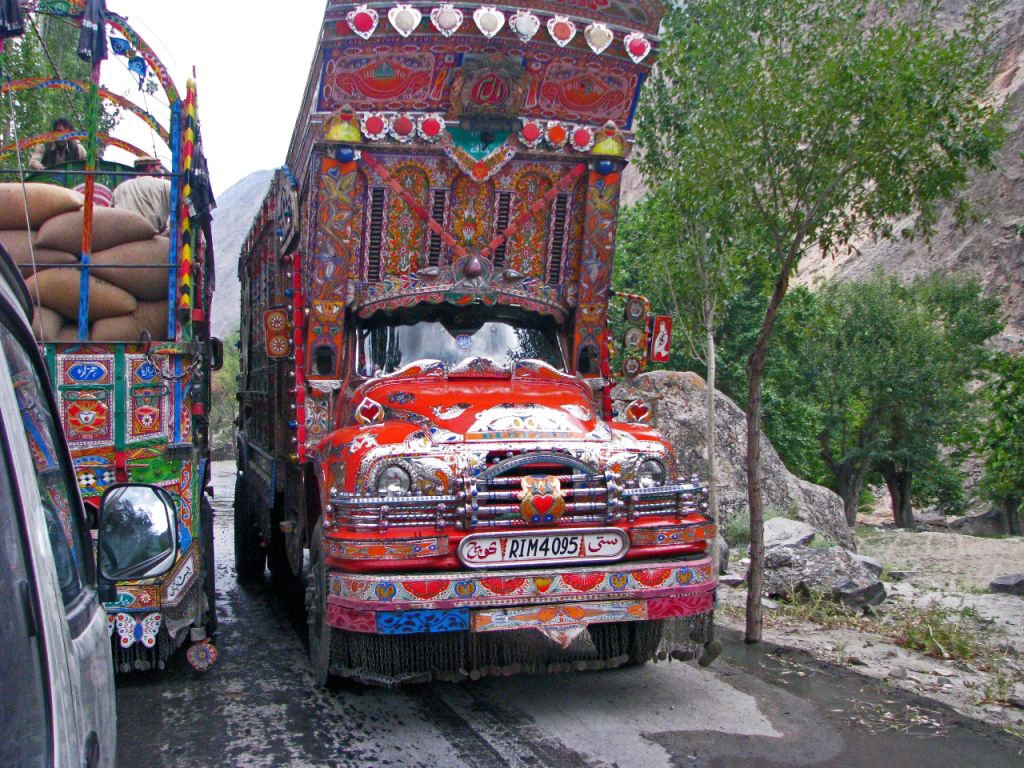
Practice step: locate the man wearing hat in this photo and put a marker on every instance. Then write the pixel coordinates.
(148, 194)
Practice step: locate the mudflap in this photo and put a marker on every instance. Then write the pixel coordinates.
(392, 660)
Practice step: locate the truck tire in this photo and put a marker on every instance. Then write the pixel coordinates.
(209, 567)
(289, 585)
(250, 556)
(320, 633)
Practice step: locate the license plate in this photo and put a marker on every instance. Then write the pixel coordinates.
(496, 550)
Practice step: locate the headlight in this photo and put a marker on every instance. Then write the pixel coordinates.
(393, 480)
(651, 472)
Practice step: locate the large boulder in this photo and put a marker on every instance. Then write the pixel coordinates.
(795, 571)
(677, 400)
(782, 532)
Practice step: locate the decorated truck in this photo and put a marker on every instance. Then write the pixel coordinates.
(122, 300)
(426, 355)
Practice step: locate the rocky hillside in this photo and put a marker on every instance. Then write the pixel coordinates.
(236, 208)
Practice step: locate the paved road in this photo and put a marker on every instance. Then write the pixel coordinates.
(258, 707)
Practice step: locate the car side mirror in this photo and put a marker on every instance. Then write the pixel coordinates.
(138, 535)
(216, 353)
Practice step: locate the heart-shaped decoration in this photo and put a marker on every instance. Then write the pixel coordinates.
(543, 504)
(637, 46)
(489, 20)
(598, 36)
(447, 19)
(638, 411)
(562, 30)
(543, 583)
(618, 580)
(369, 411)
(363, 21)
(465, 588)
(524, 24)
(405, 19)
(385, 591)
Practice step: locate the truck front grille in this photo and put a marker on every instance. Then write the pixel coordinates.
(494, 498)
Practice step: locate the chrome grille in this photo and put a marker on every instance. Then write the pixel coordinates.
(492, 498)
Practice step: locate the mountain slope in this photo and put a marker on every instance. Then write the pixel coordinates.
(235, 211)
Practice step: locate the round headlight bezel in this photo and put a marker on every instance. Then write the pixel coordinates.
(651, 472)
(392, 480)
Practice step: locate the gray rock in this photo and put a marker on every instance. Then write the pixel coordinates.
(781, 532)
(1008, 585)
(677, 400)
(873, 565)
(723, 555)
(794, 571)
(731, 580)
(989, 524)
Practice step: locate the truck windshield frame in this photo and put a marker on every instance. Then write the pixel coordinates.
(387, 342)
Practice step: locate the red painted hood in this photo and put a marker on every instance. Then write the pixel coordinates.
(527, 404)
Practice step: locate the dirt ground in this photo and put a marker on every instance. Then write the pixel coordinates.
(922, 569)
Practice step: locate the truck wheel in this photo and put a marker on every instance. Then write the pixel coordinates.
(250, 556)
(288, 585)
(209, 567)
(320, 634)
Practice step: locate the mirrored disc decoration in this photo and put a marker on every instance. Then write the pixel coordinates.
(562, 30)
(374, 125)
(524, 25)
(405, 19)
(637, 46)
(489, 20)
(363, 21)
(598, 36)
(446, 19)
(430, 127)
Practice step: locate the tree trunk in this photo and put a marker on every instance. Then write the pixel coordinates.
(709, 436)
(755, 373)
(849, 484)
(898, 482)
(1011, 509)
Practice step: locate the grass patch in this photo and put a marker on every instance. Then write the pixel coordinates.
(945, 633)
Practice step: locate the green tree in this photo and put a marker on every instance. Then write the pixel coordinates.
(1003, 438)
(223, 406)
(814, 123)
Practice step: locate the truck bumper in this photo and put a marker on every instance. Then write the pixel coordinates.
(559, 604)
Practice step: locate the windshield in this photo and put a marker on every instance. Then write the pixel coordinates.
(451, 335)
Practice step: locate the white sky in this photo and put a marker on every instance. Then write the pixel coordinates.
(251, 65)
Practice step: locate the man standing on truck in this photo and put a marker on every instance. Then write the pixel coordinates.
(57, 152)
(148, 194)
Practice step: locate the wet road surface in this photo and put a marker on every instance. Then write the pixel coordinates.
(258, 707)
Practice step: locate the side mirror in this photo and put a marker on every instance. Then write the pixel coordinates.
(138, 535)
(216, 353)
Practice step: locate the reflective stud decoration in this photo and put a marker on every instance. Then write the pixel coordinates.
(637, 46)
(405, 19)
(403, 128)
(489, 20)
(556, 134)
(598, 37)
(430, 127)
(581, 138)
(562, 30)
(363, 21)
(374, 125)
(447, 19)
(524, 24)
(531, 134)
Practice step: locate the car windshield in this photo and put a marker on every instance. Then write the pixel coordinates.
(386, 343)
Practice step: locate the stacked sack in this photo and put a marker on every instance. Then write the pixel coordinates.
(123, 302)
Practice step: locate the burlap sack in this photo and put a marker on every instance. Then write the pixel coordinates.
(44, 202)
(149, 316)
(59, 288)
(46, 323)
(68, 332)
(110, 227)
(143, 284)
(152, 315)
(16, 243)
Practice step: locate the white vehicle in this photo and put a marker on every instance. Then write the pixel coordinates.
(57, 707)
